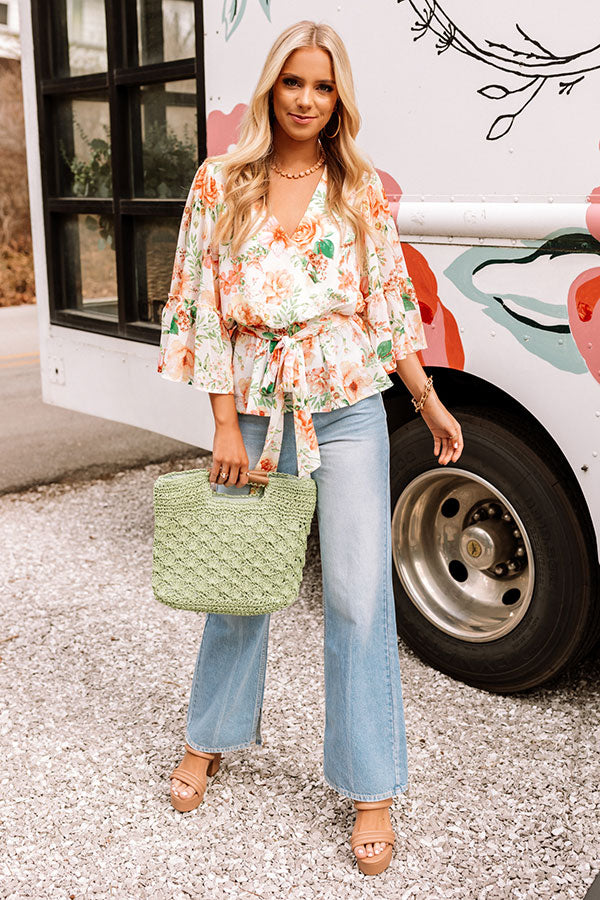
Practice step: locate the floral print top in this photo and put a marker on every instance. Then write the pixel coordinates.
(293, 323)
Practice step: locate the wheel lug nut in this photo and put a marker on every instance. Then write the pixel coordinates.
(500, 569)
(516, 533)
(476, 516)
(520, 551)
(506, 517)
(512, 566)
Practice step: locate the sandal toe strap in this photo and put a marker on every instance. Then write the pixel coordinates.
(189, 778)
(371, 837)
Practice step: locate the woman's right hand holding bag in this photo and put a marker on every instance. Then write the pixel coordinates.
(229, 451)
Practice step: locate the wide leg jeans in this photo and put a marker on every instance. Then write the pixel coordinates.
(364, 745)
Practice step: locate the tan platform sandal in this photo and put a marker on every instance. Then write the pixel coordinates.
(373, 865)
(192, 770)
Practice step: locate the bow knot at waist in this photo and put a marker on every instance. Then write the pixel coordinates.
(285, 372)
(287, 337)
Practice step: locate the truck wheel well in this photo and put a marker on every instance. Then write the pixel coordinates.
(455, 389)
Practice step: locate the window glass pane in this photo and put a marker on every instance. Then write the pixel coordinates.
(165, 30)
(80, 37)
(155, 244)
(164, 139)
(82, 140)
(87, 258)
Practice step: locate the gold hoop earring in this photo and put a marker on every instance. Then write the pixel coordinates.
(335, 133)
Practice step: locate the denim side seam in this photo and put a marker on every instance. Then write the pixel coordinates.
(195, 682)
(324, 675)
(256, 738)
(252, 740)
(386, 618)
(188, 741)
(400, 786)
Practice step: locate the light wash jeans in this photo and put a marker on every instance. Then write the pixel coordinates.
(364, 748)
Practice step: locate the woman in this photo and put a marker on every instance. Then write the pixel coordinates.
(290, 304)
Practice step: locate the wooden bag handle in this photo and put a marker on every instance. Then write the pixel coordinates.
(258, 477)
(255, 476)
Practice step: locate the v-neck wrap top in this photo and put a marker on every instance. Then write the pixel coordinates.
(291, 323)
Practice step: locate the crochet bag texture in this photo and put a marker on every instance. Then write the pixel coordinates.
(220, 553)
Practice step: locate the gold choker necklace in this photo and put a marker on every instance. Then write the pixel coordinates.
(318, 163)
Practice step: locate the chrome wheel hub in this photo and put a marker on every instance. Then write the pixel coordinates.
(462, 554)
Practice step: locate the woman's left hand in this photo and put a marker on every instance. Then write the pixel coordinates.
(446, 431)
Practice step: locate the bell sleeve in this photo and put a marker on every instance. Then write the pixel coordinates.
(390, 308)
(195, 345)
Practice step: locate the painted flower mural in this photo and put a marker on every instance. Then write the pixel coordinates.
(444, 346)
(563, 330)
(551, 329)
(222, 129)
(584, 317)
(584, 298)
(567, 335)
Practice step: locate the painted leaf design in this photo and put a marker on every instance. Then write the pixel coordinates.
(233, 13)
(493, 91)
(174, 328)
(500, 127)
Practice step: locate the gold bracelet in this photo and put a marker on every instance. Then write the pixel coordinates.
(418, 404)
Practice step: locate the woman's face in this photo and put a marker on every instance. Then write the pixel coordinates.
(305, 87)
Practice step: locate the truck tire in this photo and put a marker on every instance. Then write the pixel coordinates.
(494, 557)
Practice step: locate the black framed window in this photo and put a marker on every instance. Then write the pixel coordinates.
(122, 131)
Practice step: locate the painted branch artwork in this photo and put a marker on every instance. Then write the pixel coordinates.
(531, 64)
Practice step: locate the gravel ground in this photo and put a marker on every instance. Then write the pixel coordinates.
(504, 793)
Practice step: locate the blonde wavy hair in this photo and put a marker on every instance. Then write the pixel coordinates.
(246, 168)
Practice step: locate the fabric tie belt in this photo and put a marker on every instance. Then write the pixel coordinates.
(285, 372)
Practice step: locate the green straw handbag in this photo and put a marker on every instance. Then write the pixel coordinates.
(219, 553)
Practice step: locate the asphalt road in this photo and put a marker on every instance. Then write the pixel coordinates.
(41, 443)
